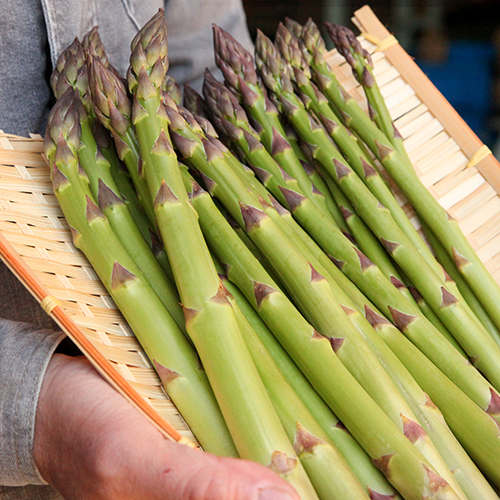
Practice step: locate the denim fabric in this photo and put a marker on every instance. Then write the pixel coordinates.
(33, 34)
(25, 95)
(24, 356)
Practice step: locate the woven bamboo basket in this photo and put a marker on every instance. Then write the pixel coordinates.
(35, 241)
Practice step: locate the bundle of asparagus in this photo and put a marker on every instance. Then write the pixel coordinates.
(318, 334)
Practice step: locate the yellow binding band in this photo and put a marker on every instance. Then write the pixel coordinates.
(49, 302)
(479, 155)
(382, 45)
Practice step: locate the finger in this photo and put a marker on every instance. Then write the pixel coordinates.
(186, 474)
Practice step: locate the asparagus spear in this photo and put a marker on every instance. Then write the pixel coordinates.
(329, 472)
(210, 320)
(194, 102)
(275, 247)
(294, 333)
(166, 346)
(362, 66)
(358, 460)
(360, 60)
(478, 433)
(364, 274)
(344, 139)
(123, 181)
(172, 88)
(93, 45)
(74, 74)
(232, 122)
(112, 107)
(466, 291)
(72, 71)
(445, 228)
(237, 66)
(240, 264)
(484, 352)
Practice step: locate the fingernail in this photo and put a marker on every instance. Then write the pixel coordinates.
(272, 494)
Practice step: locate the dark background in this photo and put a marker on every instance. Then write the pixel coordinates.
(456, 42)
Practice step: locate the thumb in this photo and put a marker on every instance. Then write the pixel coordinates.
(187, 474)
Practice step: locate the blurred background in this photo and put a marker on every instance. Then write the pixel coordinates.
(455, 42)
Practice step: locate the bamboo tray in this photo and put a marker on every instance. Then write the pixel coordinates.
(35, 241)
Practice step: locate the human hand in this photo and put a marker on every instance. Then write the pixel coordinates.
(90, 443)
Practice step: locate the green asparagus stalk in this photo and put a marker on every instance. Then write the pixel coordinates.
(166, 346)
(372, 479)
(224, 107)
(102, 184)
(318, 303)
(478, 433)
(112, 107)
(210, 320)
(365, 275)
(104, 190)
(360, 60)
(484, 352)
(455, 454)
(237, 66)
(445, 228)
(329, 472)
(123, 182)
(362, 66)
(288, 325)
(62, 78)
(280, 215)
(274, 247)
(464, 288)
(344, 139)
